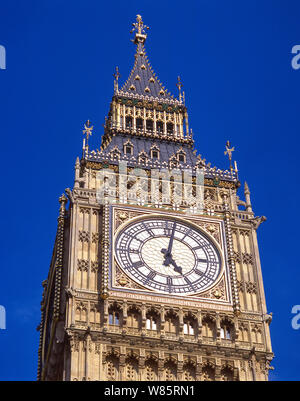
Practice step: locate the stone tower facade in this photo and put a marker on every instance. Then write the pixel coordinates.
(155, 273)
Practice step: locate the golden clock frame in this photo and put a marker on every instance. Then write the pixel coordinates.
(122, 215)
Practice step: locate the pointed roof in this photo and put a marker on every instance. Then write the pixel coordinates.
(142, 80)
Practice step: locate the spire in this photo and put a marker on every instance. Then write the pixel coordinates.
(246, 188)
(116, 75)
(179, 86)
(142, 80)
(247, 198)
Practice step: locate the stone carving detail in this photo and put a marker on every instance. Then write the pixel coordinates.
(82, 265)
(247, 258)
(209, 206)
(240, 285)
(246, 233)
(74, 344)
(123, 215)
(84, 210)
(251, 287)
(124, 281)
(84, 236)
(210, 228)
(94, 266)
(210, 194)
(236, 256)
(95, 237)
(218, 292)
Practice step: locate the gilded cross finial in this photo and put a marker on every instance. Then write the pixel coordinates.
(116, 74)
(87, 132)
(228, 152)
(179, 86)
(140, 28)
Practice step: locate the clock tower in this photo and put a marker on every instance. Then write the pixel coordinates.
(155, 272)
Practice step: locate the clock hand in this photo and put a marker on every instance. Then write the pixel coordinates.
(171, 238)
(177, 269)
(167, 252)
(170, 261)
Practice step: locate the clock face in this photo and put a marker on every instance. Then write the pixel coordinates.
(168, 256)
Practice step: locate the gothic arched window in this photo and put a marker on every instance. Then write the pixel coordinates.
(131, 368)
(154, 152)
(128, 122)
(209, 327)
(189, 327)
(208, 374)
(149, 125)
(189, 372)
(133, 319)
(112, 368)
(243, 333)
(151, 321)
(128, 148)
(226, 374)
(139, 123)
(171, 323)
(170, 128)
(151, 370)
(114, 316)
(170, 371)
(159, 127)
(226, 330)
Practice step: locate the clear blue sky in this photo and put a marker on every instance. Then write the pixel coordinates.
(234, 58)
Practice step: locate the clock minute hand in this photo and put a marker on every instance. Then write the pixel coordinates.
(171, 239)
(167, 252)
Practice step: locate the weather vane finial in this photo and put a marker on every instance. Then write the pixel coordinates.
(140, 28)
(228, 152)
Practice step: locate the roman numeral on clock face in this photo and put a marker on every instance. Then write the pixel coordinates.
(199, 272)
(133, 250)
(168, 228)
(138, 264)
(150, 276)
(148, 229)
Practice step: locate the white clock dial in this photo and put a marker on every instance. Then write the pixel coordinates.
(168, 256)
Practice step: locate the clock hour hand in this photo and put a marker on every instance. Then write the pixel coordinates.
(170, 261)
(167, 256)
(177, 269)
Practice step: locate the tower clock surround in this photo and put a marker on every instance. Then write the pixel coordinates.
(195, 264)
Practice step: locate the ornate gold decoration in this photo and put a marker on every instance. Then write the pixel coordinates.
(124, 281)
(140, 28)
(228, 152)
(217, 292)
(87, 130)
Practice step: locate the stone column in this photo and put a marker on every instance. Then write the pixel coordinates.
(141, 365)
(198, 368)
(165, 123)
